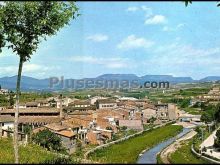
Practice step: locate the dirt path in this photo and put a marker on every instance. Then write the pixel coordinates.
(172, 148)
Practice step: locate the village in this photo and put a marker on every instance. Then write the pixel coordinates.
(92, 121)
(84, 122)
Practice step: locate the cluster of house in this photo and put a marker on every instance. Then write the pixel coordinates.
(92, 121)
(3, 91)
(212, 97)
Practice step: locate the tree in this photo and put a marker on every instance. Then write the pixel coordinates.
(217, 140)
(11, 98)
(23, 25)
(185, 103)
(187, 2)
(152, 120)
(217, 113)
(207, 117)
(48, 139)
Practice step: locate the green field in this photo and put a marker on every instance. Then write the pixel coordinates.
(184, 155)
(128, 151)
(29, 154)
(193, 111)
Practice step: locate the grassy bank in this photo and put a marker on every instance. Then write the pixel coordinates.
(183, 155)
(128, 151)
(193, 111)
(29, 154)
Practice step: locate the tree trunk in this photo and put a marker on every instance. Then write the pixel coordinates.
(61, 107)
(17, 112)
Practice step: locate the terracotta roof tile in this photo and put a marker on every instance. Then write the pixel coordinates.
(67, 133)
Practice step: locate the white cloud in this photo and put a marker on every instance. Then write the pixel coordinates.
(97, 37)
(156, 19)
(132, 9)
(107, 62)
(147, 10)
(185, 56)
(133, 42)
(179, 26)
(183, 60)
(27, 68)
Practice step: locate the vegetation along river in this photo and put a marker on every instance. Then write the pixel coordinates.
(150, 156)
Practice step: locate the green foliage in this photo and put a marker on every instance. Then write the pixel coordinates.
(25, 24)
(48, 139)
(217, 113)
(211, 113)
(183, 155)
(193, 111)
(152, 119)
(61, 160)
(28, 97)
(128, 151)
(3, 100)
(123, 128)
(199, 131)
(138, 95)
(28, 154)
(217, 140)
(27, 129)
(185, 103)
(11, 98)
(187, 2)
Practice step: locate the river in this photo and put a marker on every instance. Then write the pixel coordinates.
(150, 156)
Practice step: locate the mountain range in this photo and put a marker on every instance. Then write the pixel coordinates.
(30, 83)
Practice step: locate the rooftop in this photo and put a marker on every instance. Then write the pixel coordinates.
(55, 126)
(38, 119)
(67, 133)
(80, 102)
(105, 101)
(6, 118)
(32, 110)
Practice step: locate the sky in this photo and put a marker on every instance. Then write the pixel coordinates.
(142, 38)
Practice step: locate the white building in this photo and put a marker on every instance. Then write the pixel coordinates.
(106, 104)
(6, 123)
(95, 98)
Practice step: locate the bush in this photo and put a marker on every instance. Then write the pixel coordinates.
(217, 140)
(48, 139)
(60, 160)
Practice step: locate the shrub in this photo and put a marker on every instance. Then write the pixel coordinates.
(48, 139)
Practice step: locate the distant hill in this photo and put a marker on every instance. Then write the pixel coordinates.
(210, 78)
(30, 83)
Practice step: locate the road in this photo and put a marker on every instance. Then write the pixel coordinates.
(208, 143)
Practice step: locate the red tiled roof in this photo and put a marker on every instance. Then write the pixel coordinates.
(67, 133)
(56, 126)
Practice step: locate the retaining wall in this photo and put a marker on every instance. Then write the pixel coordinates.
(203, 157)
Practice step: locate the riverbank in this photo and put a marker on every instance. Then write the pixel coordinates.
(165, 153)
(184, 155)
(129, 150)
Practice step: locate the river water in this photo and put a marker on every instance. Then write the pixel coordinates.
(150, 156)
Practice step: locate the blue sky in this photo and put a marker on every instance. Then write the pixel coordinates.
(129, 37)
